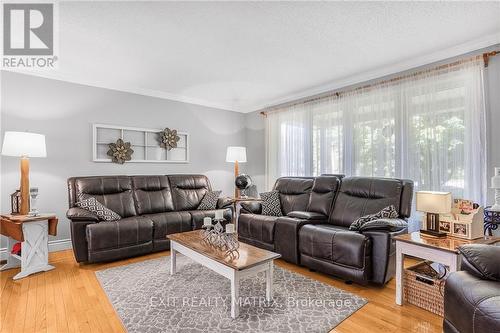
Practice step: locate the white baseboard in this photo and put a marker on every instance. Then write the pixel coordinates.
(54, 245)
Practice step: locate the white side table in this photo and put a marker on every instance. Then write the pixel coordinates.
(442, 250)
(33, 233)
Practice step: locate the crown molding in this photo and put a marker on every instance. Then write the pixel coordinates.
(402, 66)
(127, 89)
(457, 50)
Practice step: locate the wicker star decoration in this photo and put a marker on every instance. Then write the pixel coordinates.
(120, 151)
(169, 139)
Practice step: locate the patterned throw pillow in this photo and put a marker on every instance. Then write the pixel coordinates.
(92, 205)
(271, 204)
(384, 224)
(388, 212)
(209, 200)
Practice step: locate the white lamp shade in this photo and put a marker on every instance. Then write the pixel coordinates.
(238, 154)
(24, 144)
(434, 202)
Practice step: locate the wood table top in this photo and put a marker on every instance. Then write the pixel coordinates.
(249, 255)
(28, 218)
(448, 243)
(12, 225)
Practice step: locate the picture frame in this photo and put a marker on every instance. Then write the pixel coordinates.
(144, 142)
(445, 226)
(460, 229)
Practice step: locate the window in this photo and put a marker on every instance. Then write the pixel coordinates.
(427, 126)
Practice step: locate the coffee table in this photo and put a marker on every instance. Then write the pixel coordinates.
(252, 260)
(442, 250)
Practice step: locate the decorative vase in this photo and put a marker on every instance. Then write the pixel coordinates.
(495, 183)
(33, 204)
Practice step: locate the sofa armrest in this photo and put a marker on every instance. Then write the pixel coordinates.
(79, 239)
(224, 203)
(251, 207)
(308, 216)
(481, 260)
(383, 254)
(80, 214)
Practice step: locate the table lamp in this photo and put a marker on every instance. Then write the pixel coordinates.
(433, 203)
(236, 155)
(24, 145)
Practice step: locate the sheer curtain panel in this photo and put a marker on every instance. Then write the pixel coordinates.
(428, 126)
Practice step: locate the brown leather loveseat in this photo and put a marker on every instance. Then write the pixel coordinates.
(151, 207)
(314, 229)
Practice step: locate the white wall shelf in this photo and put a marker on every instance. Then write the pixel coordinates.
(144, 141)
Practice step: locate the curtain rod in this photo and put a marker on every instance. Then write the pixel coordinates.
(337, 94)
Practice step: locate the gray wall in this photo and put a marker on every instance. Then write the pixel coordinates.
(64, 112)
(256, 149)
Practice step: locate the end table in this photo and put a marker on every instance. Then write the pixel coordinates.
(235, 201)
(442, 250)
(32, 232)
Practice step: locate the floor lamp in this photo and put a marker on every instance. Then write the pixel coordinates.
(24, 145)
(236, 155)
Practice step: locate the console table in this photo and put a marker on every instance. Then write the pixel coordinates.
(33, 233)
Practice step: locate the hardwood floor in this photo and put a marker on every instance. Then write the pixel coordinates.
(70, 299)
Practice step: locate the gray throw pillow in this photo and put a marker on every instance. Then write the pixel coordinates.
(388, 212)
(92, 205)
(271, 204)
(209, 201)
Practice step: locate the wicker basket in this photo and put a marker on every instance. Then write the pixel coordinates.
(423, 289)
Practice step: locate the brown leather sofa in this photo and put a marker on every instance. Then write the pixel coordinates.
(151, 207)
(314, 229)
(472, 295)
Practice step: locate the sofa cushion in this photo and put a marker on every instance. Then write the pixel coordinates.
(334, 244)
(294, 193)
(188, 190)
(209, 200)
(93, 206)
(169, 223)
(257, 227)
(360, 196)
(322, 194)
(114, 192)
(152, 194)
(114, 234)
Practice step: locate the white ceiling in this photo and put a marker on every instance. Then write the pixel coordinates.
(243, 56)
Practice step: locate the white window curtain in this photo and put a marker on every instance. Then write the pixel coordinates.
(428, 126)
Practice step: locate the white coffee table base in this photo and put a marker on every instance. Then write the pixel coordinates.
(34, 251)
(441, 256)
(232, 274)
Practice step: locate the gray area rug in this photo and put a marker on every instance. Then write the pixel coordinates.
(195, 299)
